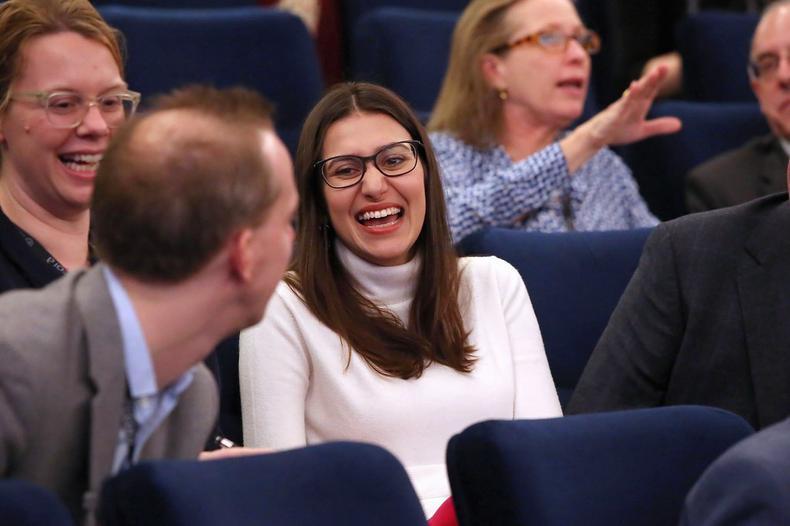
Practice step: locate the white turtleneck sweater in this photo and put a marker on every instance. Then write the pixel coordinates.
(298, 387)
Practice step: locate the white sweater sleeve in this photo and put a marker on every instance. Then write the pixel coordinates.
(274, 374)
(536, 395)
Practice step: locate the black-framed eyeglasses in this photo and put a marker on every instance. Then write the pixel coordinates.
(393, 160)
(556, 41)
(67, 109)
(766, 65)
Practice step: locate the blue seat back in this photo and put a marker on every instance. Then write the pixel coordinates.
(23, 503)
(265, 49)
(342, 483)
(660, 164)
(715, 49)
(354, 10)
(405, 50)
(624, 467)
(574, 280)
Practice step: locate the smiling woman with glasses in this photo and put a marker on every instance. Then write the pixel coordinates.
(379, 332)
(518, 76)
(62, 94)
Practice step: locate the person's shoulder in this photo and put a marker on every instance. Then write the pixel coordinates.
(749, 481)
(727, 222)
(488, 270)
(50, 313)
(734, 162)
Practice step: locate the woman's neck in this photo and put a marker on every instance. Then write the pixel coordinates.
(521, 136)
(65, 238)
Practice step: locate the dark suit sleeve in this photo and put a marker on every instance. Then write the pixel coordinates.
(739, 490)
(631, 365)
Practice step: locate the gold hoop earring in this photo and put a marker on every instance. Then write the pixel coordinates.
(503, 94)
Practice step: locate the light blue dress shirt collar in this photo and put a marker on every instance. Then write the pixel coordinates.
(150, 406)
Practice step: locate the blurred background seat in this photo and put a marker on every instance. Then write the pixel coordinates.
(405, 50)
(574, 281)
(334, 484)
(353, 10)
(264, 49)
(23, 503)
(715, 49)
(624, 467)
(660, 164)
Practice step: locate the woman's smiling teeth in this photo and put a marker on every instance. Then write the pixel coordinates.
(81, 162)
(375, 216)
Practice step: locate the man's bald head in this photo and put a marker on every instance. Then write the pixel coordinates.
(173, 186)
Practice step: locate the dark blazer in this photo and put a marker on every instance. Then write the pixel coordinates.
(749, 484)
(20, 266)
(63, 386)
(704, 319)
(756, 169)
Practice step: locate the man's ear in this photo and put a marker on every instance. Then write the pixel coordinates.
(240, 255)
(492, 68)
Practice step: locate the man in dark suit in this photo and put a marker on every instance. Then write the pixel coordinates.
(704, 319)
(756, 168)
(748, 485)
(192, 213)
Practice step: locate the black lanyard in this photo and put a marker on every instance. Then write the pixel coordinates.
(41, 252)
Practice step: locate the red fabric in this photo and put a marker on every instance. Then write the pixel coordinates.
(445, 515)
(328, 40)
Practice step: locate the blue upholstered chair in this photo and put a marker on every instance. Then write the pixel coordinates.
(624, 467)
(334, 484)
(715, 49)
(25, 504)
(265, 49)
(405, 50)
(574, 280)
(660, 164)
(353, 10)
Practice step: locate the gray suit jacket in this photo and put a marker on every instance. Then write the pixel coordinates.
(756, 169)
(749, 484)
(62, 390)
(704, 319)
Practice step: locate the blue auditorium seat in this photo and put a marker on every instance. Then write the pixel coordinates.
(574, 281)
(715, 49)
(265, 49)
(333, 484)
(25, 504)
(625, 467)
(353, 10)
(660, 164)
(405, 50)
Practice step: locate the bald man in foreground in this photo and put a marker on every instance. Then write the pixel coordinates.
(192, 214)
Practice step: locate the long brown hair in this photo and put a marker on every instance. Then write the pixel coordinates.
(435, 331)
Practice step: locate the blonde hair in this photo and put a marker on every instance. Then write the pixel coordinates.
(467, 106)
(22, 20)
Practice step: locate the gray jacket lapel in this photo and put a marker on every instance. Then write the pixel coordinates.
(764, 291)
(105, 355)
